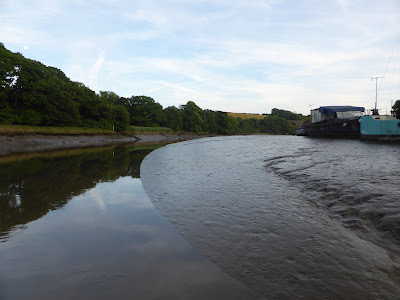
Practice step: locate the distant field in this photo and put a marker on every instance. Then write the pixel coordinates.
(246, 116)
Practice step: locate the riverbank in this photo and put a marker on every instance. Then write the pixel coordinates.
(36, 142)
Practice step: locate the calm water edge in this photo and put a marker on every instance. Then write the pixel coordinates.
(290, 217)
(77, 224)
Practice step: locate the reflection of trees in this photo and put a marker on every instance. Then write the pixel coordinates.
(30, 188)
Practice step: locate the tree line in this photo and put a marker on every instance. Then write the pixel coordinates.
(34, 94)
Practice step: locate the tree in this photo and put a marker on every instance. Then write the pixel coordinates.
(120, 118)
(7, 114)
(276, 125)
(109, 97)
(192, 120)
(287, 114)
(34, 94)
(396, 109)
(173, 118)
(144, 111)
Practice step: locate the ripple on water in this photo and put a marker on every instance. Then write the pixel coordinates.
(264, 213)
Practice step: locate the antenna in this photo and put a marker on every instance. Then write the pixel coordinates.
(376, 92)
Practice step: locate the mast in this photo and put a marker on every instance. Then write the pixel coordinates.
(375, 112)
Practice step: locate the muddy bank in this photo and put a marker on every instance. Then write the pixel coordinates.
(34, 143)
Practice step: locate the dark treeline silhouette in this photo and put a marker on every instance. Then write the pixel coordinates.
(396, 109)
(34, 94)
(32, 187)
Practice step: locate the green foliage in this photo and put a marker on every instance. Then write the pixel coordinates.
(34, 94)
(144, 111)
(31, 117)
(276, 125)
(396, 109)
(287, 114)
(25, 129)
(173, 118)
(192, 119)
(7, 114)
(120, 118)
(109, 97)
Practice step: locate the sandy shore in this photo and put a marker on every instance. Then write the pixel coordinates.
(34, 143)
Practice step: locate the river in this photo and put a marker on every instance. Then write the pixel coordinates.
(242, 217)
(77, 224)
(290, 217)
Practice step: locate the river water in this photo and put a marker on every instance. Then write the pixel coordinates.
(290, 217)
(77, 224)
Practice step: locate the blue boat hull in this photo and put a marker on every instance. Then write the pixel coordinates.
(377, 127)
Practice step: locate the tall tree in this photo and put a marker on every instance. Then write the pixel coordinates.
(173, 117)
(144, 111)
(192, 120)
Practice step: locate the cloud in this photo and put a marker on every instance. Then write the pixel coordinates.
(151, 17)
(227, 55)
(96, 195)
(173, 85)
(95, 70)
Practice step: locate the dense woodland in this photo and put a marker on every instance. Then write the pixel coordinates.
(34, 94)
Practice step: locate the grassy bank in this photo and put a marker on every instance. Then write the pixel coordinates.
(150, 130)
(24, 129)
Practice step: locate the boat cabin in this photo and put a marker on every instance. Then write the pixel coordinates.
(332, 113)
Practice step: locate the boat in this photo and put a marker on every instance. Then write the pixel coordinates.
(381, 128)
(335, 122)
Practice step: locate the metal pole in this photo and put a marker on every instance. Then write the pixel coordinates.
(376, 91)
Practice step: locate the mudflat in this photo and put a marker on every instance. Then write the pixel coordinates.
(32, 143)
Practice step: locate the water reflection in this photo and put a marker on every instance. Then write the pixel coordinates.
(29, 188)
(78, 225)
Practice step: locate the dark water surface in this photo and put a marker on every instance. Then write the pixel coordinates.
(290, 217)
(77, 224)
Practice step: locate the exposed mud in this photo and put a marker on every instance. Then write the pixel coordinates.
(33, 143)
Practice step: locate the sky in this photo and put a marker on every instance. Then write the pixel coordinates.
(246, 56)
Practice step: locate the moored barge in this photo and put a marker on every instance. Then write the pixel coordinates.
(335, 122)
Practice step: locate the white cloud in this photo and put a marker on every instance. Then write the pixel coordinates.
(152, 17)
(97, 197)
(236, 55)
(94, 72)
